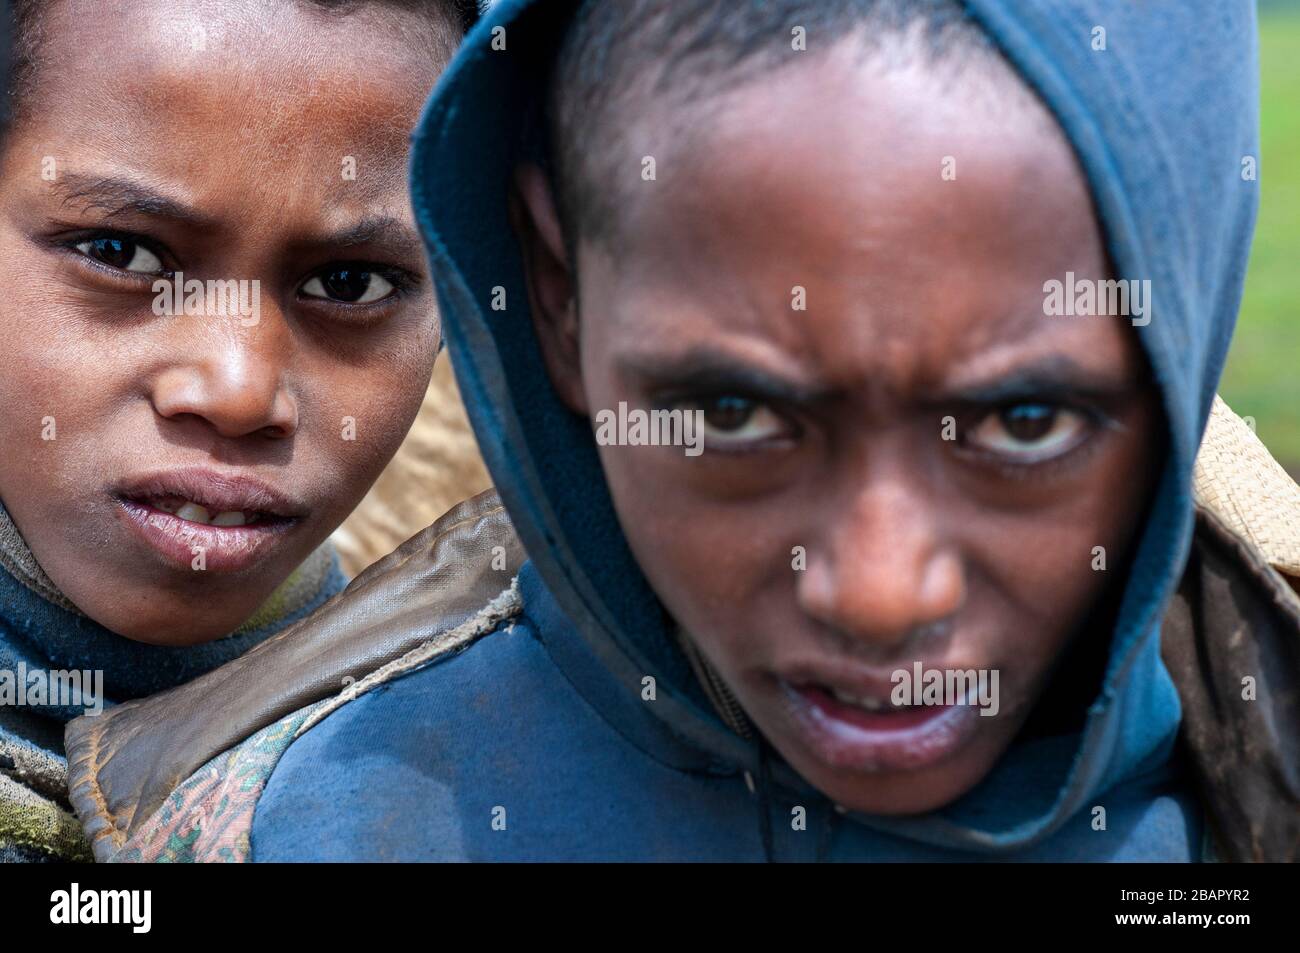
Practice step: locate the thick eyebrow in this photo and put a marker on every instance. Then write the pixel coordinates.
(384, 232)
(1055, 377)
(706, 371)
(121, 196)
(116, 197)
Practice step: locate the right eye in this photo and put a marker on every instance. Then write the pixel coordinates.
(730, 420)
(123, 253)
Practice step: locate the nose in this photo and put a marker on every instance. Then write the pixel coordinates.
(883, 573)
(231, 376)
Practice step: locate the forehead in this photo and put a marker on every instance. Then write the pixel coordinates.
(249, 103)
(920, 212)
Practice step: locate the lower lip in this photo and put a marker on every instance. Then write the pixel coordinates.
(847, 737)
(225, 549)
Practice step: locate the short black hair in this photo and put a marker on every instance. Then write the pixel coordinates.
(23, 21)
(617, 55)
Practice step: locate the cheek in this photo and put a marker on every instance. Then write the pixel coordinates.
(41, 344)
(720, 571)
(60, 336)
(366, 410)
(673, 536)
(1049, 572)
(56, 389)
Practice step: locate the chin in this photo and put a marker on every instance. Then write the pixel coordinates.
(895, 794)
(909, 799)
(179, 630)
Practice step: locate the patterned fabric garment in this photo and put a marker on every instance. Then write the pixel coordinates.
(208, 818)
(42, 631)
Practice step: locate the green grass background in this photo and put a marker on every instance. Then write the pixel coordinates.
(1262, 378)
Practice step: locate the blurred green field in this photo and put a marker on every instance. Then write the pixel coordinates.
(1262, 379)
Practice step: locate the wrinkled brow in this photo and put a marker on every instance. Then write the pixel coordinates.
(119, 196)
(379, 231)
(122, 196)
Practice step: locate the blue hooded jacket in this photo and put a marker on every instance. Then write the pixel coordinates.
(535, 741)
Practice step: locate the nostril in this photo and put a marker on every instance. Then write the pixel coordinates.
(883, 588)
(235, 394)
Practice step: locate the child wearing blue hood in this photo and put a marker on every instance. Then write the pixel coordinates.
(927, 301)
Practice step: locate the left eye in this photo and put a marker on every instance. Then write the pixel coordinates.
(732, 420)
(1029, 432)
(351, 285)
(121, 253)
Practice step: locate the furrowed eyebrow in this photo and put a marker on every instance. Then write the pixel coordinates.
(712, 372)
(117, 197)
(382, 231)
(706, 371)
(120, 196)
(1057, 377)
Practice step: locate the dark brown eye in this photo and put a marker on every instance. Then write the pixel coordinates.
(123, 253)
(734, 422)
(1029, 432)
(349, 284)
(728, 413)
(1027, 422)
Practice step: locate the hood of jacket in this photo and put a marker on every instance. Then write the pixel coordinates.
(1161, 122)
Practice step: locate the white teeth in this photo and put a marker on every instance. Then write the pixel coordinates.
(194, 513)
(197, 513)
(870, 704)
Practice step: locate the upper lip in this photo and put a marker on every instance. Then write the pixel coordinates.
(216, 491)
(851, 679)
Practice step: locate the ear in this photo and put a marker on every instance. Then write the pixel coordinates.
(551, 293)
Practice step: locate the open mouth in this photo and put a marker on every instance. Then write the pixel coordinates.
(865, 731)
(202, 520)
(867, 711)
(191, 512)
(867, 702)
